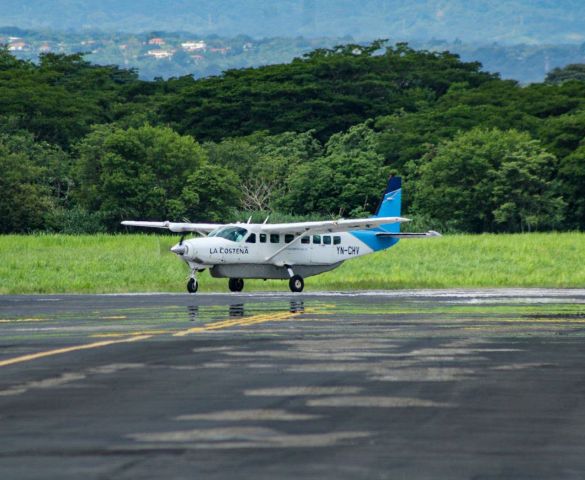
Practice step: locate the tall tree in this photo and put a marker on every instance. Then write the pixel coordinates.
(136, 172)
(489, 180)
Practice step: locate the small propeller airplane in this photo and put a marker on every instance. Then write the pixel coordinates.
(291, 251)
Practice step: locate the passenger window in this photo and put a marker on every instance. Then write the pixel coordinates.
(274, 238)
(289, 237)
(262, 238)
(306, 240)
(327, 240)
(336, 240)
(317, 239)
(251, 238)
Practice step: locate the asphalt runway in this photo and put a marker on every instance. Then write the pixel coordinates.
(399, 385)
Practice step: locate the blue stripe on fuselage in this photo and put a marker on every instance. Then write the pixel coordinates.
(371, 240)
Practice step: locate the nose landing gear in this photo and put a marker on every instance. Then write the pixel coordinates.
(236, 284)
(192, 285)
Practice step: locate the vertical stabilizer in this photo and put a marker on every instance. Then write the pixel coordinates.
(391, 203)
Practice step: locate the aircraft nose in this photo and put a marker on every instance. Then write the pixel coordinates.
(179, 249)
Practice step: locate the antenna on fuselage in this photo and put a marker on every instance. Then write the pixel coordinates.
(264, 222)
(249, 219)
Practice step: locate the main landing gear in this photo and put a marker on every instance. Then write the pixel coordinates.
(236, 284)
(296, 282)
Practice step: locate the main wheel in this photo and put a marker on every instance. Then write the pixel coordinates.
(192, 285)
(236, 284)
(296, 283)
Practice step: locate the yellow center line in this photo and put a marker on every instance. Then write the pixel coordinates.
(125, 334)
(244, 321)
(59, 351)
(137, 336)
(16, 320)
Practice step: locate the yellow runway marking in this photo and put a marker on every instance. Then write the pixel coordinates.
(49, 353)
(144, 335)
(16, 320)
(244, 321)
(125, 334)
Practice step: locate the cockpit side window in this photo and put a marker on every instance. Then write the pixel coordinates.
(235, 234)
(251, 238)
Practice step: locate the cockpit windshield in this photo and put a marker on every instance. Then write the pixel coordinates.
(235, 234)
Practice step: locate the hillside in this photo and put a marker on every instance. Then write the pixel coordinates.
(173, 54)
(514, 21)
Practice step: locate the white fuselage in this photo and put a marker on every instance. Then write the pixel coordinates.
(276, 249)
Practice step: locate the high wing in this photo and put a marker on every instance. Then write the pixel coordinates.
(201, 228)
(309, 228)
(330, 226)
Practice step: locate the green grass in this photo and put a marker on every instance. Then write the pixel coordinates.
(143, 263)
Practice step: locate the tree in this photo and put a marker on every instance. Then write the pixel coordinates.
(211, 193)
(489, 180)
(572, 177)
(264, 162)
(33, 182)
(327, 91)
(347, 180)
(573, 71)
(136, 172)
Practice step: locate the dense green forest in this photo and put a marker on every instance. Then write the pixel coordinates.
(84, 146)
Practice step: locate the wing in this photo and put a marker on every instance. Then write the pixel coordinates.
(330, 226)
(201, 228)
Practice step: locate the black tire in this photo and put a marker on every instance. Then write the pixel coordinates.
(192, 285)
(296, 283)
(236, 284)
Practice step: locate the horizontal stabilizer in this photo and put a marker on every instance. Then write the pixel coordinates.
(429, 234)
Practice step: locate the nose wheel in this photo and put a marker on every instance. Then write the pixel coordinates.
(296, 283)
(192, 285)
(236, 284)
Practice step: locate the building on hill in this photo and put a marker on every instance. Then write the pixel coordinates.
(160, 54)
(156, 41)
(17, 46)
(222, 50)
(194, 46)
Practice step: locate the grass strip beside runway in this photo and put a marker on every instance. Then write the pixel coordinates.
(143, 263)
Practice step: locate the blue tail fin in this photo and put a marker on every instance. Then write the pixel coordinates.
(390, 203)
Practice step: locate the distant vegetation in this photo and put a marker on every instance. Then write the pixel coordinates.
(143, 263)
(84, 146)
(160, 54)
